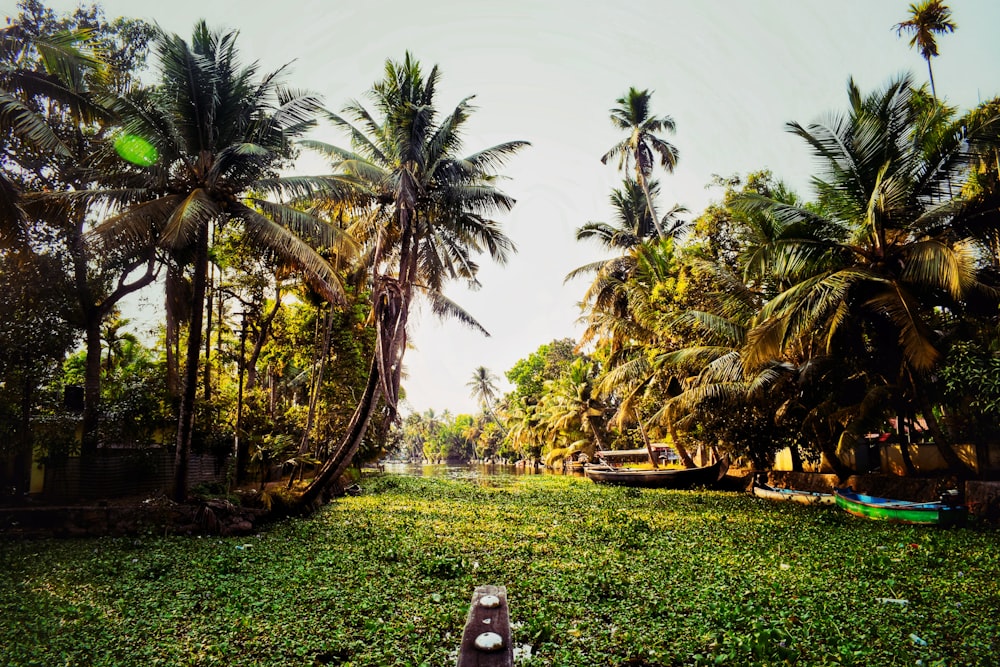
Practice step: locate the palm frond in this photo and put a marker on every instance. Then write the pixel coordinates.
(444, 307)
(273, 236)
(195, 212)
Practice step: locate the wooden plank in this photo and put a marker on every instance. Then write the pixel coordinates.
(485, 619)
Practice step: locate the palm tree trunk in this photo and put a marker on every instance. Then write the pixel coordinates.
(265, 327)
(185, 420)
(903, 435)
(829, 451)
(172, 300)
(91, 387)
(930, 73)
(796, 455)
(337, 464)
(597, 435)
(678, 447)
(649, 203)
(645, 439)
(209, 304)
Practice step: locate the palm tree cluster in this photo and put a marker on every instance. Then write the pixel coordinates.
(780, 323)
(186, 177)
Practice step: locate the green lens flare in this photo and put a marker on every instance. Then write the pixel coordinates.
(136, 150)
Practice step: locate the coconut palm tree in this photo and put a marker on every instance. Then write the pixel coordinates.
(423, 212)
(643, 145)
(572, 410)
(35, 69)
(219, 134)
(885, 268)
(605, 303)
(927, 20)
(483, 386)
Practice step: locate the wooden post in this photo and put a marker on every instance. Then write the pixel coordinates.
(488, 613)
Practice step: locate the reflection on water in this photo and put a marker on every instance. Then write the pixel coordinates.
(463, 470)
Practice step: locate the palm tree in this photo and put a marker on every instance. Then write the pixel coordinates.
(221, 134)
(885, 269)
(927, 19)
(35, 69)
(572, 409)
(632, 225)
(483, 386)
(423, 213)
(606, 300)
(525, 430)
(643, 145)
(635, 333)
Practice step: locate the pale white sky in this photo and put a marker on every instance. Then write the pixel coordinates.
(730, 72)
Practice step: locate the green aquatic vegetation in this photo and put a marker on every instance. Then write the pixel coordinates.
(595, 576)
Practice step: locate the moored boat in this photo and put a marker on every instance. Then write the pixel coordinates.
(662, 478)
(794, 495)
(901, 511)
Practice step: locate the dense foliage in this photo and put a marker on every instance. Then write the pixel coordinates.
(595, 576)
(132, 158)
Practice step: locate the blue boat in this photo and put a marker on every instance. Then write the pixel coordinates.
(769, 492)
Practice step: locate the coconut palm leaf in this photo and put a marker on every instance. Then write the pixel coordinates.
(272, 235)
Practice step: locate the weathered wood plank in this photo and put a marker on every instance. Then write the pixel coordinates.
(485, 619)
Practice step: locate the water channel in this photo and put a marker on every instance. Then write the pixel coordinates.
(470, 471)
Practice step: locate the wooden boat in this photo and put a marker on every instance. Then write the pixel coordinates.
(794, 495)
(900, 511)
(662, 478)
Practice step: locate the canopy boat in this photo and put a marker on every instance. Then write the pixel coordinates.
(901, 511)
(762, 490)
(661, 478)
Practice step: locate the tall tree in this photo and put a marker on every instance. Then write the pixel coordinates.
(643, 145)
(927, 20)
(885, 267)
(41, 64)
(75, 61)
(483, 386)
(572, 409)
(424, 214)
(220, 134)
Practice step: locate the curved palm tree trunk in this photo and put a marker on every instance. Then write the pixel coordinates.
(597, 435)
(829, 451)
(337, 464)
(391, 311)
(645, 440)
(678, 447)
(185, 420)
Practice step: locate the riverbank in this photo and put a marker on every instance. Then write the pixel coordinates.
(595, 576)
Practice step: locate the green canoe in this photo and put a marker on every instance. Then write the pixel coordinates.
(900, 511)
